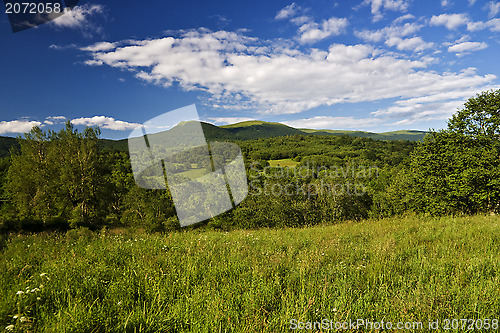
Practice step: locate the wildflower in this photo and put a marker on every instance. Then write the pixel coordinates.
(43, 274)
(20, 292)
(23, 319)
(38, 298)
(10, 328)
(15, 316)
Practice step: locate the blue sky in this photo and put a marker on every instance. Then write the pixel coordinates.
(375, 65)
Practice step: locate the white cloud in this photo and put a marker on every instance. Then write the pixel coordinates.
(450, 21)
(329, 122)
(494, 8)
(378, 6)
(435, 106)
(300, 20)
(52, 120)
(445, 3)
(56, 118)
(282, 79)
(287, 12)
(404, 18)
(416, 44)
(392, 31)
(101, 46)
(229, 120)
(493, 25)
(105, 122)
(313, 32)
(467, 47)
(79, 17)
(62, 47)
(472, 2)
(17, 126)
(393, 37)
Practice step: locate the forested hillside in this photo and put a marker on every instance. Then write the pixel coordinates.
(49, 184)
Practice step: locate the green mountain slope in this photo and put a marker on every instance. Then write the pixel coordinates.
(249, 130)
(6, 143)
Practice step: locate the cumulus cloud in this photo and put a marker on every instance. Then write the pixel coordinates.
(494, 8)
(467, 47)
(17, 126)
(453, 21)
(312, 32)
(287, 12)
(52, 120)
(379, 6)
(493, 25)
(229, 120)
(445, 3)
(450, 21)
(238, 71)
(393, 37)
(416, 44)
(435, 106)
(329, 122)
(392, 31)
(79, 17)
(101, 46)
(105, 122)
(404, 18)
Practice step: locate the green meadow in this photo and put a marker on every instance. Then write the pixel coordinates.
(286, 162)
(404, 269)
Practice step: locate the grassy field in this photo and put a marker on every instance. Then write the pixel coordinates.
(287, 162)
(398, 270)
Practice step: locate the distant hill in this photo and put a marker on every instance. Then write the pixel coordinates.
(6, 143)
(390, 136)
(247, 130)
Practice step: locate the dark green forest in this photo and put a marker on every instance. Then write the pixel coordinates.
(70, 179)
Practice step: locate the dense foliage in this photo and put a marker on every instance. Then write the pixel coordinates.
(66, 180)
(453, 171)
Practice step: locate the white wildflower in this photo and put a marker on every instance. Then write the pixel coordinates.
(10, 328)
(20, 292)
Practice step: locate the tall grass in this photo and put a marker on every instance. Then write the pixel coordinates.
(401, 269)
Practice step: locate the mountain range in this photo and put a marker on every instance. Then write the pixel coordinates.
(249, 130)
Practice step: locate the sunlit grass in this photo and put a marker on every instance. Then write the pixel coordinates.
(287, 162)
(403, 269)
